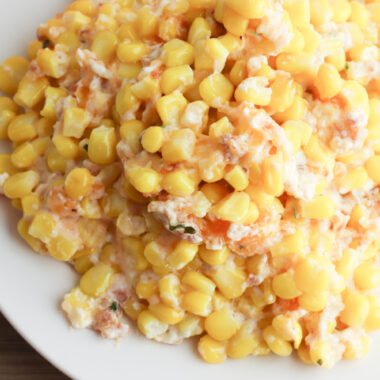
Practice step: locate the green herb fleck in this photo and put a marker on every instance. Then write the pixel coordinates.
(187, 229)
(114, 306)
(85, 147)
(295, 213)
(346, 66)
(320, 362)
(45, 44)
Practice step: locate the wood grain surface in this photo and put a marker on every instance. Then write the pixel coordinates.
(19, 361)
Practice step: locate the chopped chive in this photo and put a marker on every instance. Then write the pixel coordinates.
(187, 229)
(45, 44)
(114, 306)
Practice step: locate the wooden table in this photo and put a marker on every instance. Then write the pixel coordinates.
(19, 361)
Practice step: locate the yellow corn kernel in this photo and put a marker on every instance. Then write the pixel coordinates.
(367, 276)
(102, 145)
(190, 326)
(295, 112)
(299, 12)
(322, 353)
(125, 100)
(144, 179)
(75, 121)
(145, 88)
(104, 45)
(150, 326)
(249, 9)
(52, 96)
(21, 184)
(214, 192)
(78, 183)
(254, 90)
(211, 350)
(166, 314)
(345, 266)
(238, 72)
(6, 117)
(272, 176)
(132, 308)
(23, 127)
(66, 147)
(197, 303)
(178, 183)
(56, 163)
(373, 168)
(321, 207)
(50, 64)
(183, 253)
(83, 264)
(313, 274)
(131, 52)
(199, 282)
(12, 71)
(75, 20)
(24, 156)
(355, 95)
(216, 89)
(283, 93)
(43, 226)
(135, 247)
(130, 132)
(296, 44)
(129, 70)
(288, 329)
(171, 107)
(152, 139)
(177, 53)
(359, 14)
(33, 48)
(180, 147)
(214, 257)
(154, 253)
(234, 22)
(221, 324)
(113, 203)
(169, 288)
(278, 345)
(6, 165)
(354, 179)
(146, 22)
(290, 244)
(30, 92)
(145, 289)
(23, 230)
(200, 30)
(284, 286)
(63, 248)
(356, 309)
(176, 78)
(233, 208)
(320, 12)
(313, 302)
(30, 204)
(221, 127)
(297, 63)
(242, 343)
(328, 81)
(374, 119)
(316, 150)
(252, 214)
(373, 318)
(237, 178)
(230, 280)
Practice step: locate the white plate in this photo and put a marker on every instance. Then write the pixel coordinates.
(31, 288)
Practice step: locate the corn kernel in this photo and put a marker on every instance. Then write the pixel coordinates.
(216, 89)
(102, 145)
(78, 183)
(367, 276)
(12, 71)
(30, 92)
(176, 78)
(171, 107)
(150, 326)
(278, 345)
(180, 147)
(197, 303)
(284, 286)
(21, 184)
(166, 314)
(211, 350)
(356, 309)
(177, 53)
(131, 52)
(145, 180)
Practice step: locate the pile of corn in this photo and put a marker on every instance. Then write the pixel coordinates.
(216, 161)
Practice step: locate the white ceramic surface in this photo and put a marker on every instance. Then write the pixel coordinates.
(31, 288)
